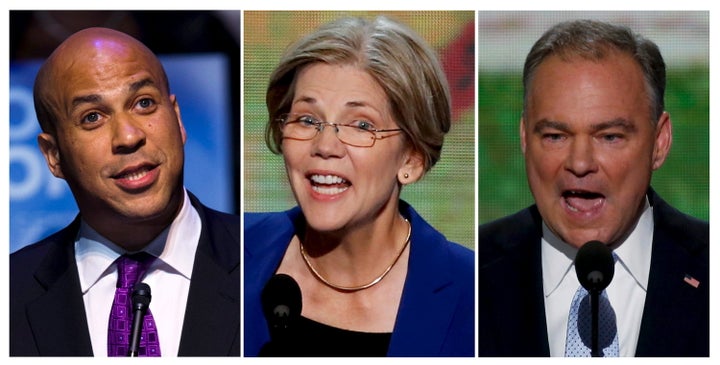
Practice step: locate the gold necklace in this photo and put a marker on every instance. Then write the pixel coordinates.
(361, 287)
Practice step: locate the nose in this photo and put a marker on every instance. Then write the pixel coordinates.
(581, 158)
(326, 143)
(128, 134)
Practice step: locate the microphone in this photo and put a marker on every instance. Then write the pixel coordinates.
(140, 303)
(282, 304)
(595, 268)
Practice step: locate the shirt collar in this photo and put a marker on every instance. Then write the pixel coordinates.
(174, 248)
(557, 260)
(633, 254)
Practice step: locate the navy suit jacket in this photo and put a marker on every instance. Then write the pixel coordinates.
(511, 309)
(47, 314)
(436, 313)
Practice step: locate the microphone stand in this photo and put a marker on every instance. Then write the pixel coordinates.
(135, 335)
(594, 309)
(595, 267)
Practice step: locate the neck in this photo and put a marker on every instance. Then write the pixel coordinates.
(134, 237)
(357, 240)
(356, 257)
(134, 234)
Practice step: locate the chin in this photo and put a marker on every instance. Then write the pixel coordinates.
(580, 238)
(149, 209)
(323, 224)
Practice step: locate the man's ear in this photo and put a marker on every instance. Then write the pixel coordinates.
(663, 140)
(176, 108)
(523, 137)
(49, 148)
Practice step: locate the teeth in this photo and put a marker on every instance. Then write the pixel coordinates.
(327, 179)
(329, 191)
(135, 175)
(334, 184)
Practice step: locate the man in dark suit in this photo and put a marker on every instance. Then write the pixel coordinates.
(593, 130)
(112, 130)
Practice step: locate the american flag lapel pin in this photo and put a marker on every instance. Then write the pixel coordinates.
(691, 281)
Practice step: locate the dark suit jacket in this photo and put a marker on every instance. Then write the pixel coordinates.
(436, 314)
(511, 309)
(47, 314)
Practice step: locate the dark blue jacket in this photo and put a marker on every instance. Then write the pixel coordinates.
(436, 313)
(511, 308)
(47, 313)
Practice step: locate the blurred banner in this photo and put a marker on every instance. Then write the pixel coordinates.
(41, 204)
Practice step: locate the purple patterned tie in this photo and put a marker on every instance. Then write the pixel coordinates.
(130, 268)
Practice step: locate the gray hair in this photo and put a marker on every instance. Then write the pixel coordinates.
(593, 40)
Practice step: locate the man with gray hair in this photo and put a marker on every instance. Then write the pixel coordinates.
(592, 132)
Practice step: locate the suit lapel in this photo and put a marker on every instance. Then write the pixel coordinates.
(212, 316)
(426, 297)
(520, 294)
(265, 244)
(675, 315)
(510, 282)
(57, 318)
(429, 296)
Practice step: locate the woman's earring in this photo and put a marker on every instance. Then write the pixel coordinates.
(406, 175)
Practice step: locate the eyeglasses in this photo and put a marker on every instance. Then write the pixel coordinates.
(357, 133)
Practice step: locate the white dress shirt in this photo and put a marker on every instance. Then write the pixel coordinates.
(168, 277)
(626, 292)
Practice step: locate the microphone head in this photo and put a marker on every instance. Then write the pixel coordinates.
(141, 296)
(281, 301)
(594, 266)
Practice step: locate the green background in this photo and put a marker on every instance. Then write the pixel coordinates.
(683, 38)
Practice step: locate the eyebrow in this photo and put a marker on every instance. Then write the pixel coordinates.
(305, 99)
(622, 123)
(351, 104)
(92, 98)
(95, 98)
(550, 124)
(137, 85)
(358, 104)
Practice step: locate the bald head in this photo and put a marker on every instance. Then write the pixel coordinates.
(89, 52)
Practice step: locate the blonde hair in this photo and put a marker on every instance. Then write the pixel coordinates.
(399, 60)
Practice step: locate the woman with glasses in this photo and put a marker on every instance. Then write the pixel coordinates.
(358, 109)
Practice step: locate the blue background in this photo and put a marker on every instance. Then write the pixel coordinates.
(41, 204)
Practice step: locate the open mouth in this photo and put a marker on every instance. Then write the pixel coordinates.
(328, 184)
(138, 177)
(582, 201)
(134, 175)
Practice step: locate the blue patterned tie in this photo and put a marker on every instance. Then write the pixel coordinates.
(130, 269)
(579, 336)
